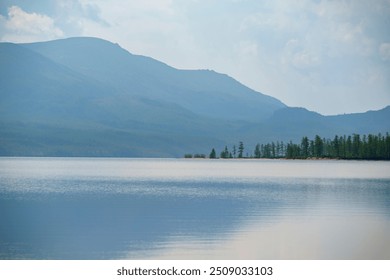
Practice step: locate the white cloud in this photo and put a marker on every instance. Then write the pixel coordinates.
(305, 59)
(296, 55)
(318, 51)
(21, 26)
(248, 49)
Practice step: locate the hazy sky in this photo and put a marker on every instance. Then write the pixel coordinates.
(332, 57)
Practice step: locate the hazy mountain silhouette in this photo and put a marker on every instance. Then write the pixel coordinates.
(89, 97)
(201, 91)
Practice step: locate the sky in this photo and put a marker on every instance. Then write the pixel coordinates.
(332, 57)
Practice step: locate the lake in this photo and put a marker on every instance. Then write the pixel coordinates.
(110, 208)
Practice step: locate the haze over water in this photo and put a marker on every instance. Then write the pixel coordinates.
(95, 208)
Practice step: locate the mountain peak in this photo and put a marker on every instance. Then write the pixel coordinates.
(203, 92)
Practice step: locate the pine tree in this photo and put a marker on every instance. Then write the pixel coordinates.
(213, 154)
(257, 151)
(240, 149)
(355, 146)
(318, 146)
(336, 147)
(225, 153)
(305, 147)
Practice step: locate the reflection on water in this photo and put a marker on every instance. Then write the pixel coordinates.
(324, 238)
(54, 208)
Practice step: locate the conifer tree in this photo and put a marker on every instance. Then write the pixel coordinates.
(318, 146)
(225, 153)
(240, 149)
(213, 154)
(305, 147)
(257, 151)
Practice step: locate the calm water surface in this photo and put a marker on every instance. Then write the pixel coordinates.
(83, 208)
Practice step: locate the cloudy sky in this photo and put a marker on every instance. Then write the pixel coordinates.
(332, 57)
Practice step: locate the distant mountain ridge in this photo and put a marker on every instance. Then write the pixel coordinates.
(90, 97)
(201, 91)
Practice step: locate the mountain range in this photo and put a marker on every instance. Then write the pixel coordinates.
(90, 97)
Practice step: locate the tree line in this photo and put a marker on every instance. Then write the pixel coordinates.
(368, 147)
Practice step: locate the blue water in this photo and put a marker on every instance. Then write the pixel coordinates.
(83, 208)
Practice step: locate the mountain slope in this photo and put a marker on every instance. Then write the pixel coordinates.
(49, 109)
(298, 122)
(89, 97)
(203, 92)
(36, 88)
